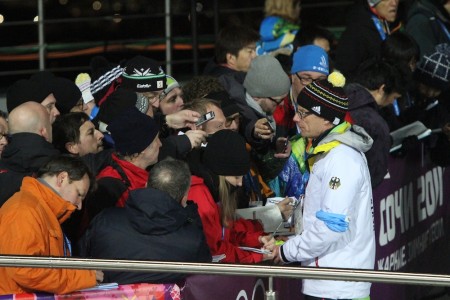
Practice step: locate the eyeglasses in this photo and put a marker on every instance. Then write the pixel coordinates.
(303, 114)
(4, 135)
(230, 120)
(307, 80)
(275, 100)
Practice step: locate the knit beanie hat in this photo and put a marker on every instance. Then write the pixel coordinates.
(225, 154)
(373, 3)
(66, 93)
(105, 77)
(266, 78)
(120, 101)
(23, 91)
(83, 82)
(171, 84)
(434, 69)
(310, 58)
(326, 98)
(228, 106)
(132, 131)
(142, 74)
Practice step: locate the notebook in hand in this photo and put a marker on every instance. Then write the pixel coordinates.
(416, 128)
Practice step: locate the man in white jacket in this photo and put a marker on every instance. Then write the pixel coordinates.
(338, 229)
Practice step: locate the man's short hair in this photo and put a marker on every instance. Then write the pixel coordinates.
(200, 105)
(200, 86)
(232, 39)
(400, 47)
(66, 129)
(74, 166)
(373, 73)
(171, 176)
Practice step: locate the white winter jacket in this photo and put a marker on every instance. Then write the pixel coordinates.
(339, 184)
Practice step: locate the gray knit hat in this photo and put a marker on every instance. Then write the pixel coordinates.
(266, 78)
(434, 69)
(373, 3)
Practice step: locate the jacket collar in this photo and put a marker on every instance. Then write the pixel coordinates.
(61, 208)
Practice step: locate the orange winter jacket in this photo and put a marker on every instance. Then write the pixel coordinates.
(30, 225)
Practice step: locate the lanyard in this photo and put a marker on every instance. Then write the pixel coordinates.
(67, 246)
(396, 107)
(444, 28)
(94, 112)
(379, 27)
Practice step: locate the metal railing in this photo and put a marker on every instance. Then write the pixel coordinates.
(228, 269)
(42, 47)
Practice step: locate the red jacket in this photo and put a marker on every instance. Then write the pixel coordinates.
(136, 177)
(224, 240)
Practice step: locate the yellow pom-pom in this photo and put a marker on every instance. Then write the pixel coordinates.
(82, 77)
(336, 79)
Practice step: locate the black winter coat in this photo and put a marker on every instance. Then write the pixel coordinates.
(364, 112)
(23, 156)
(359, 42)
(152, 226)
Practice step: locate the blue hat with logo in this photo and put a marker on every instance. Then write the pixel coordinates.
(310, 58)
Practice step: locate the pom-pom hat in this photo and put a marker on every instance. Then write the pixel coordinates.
(434, 69)
(83, 82)
(326, 98)
(142, 74)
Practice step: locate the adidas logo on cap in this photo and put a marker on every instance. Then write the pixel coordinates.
(323, 62)
(316, 109)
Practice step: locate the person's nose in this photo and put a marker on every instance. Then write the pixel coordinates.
(100, 135)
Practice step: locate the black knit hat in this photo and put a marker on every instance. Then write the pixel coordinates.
(434, 69)
(119, 101)
(132, 131)
(225, 154)
(104, 77)
(25, 90)
(326, 98)
(142, 74)
(66, 92)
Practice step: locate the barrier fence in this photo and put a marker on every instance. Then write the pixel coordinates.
(412, 221)
(226, 269)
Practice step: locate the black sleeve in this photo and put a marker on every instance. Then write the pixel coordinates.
(108, 192)
(203, 251)
(440, 154)
(176, 146)
(98, 161)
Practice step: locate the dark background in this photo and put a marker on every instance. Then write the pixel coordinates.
(76, 32)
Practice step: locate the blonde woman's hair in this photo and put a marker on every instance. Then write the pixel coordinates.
(282, 8)
(228, 201)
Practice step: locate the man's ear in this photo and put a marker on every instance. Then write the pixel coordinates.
(43, 132)
(72, 148)
(379, 94)
(61, 177)
(380, 90)
(231, 59)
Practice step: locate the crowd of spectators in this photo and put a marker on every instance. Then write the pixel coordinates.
(293, 112)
